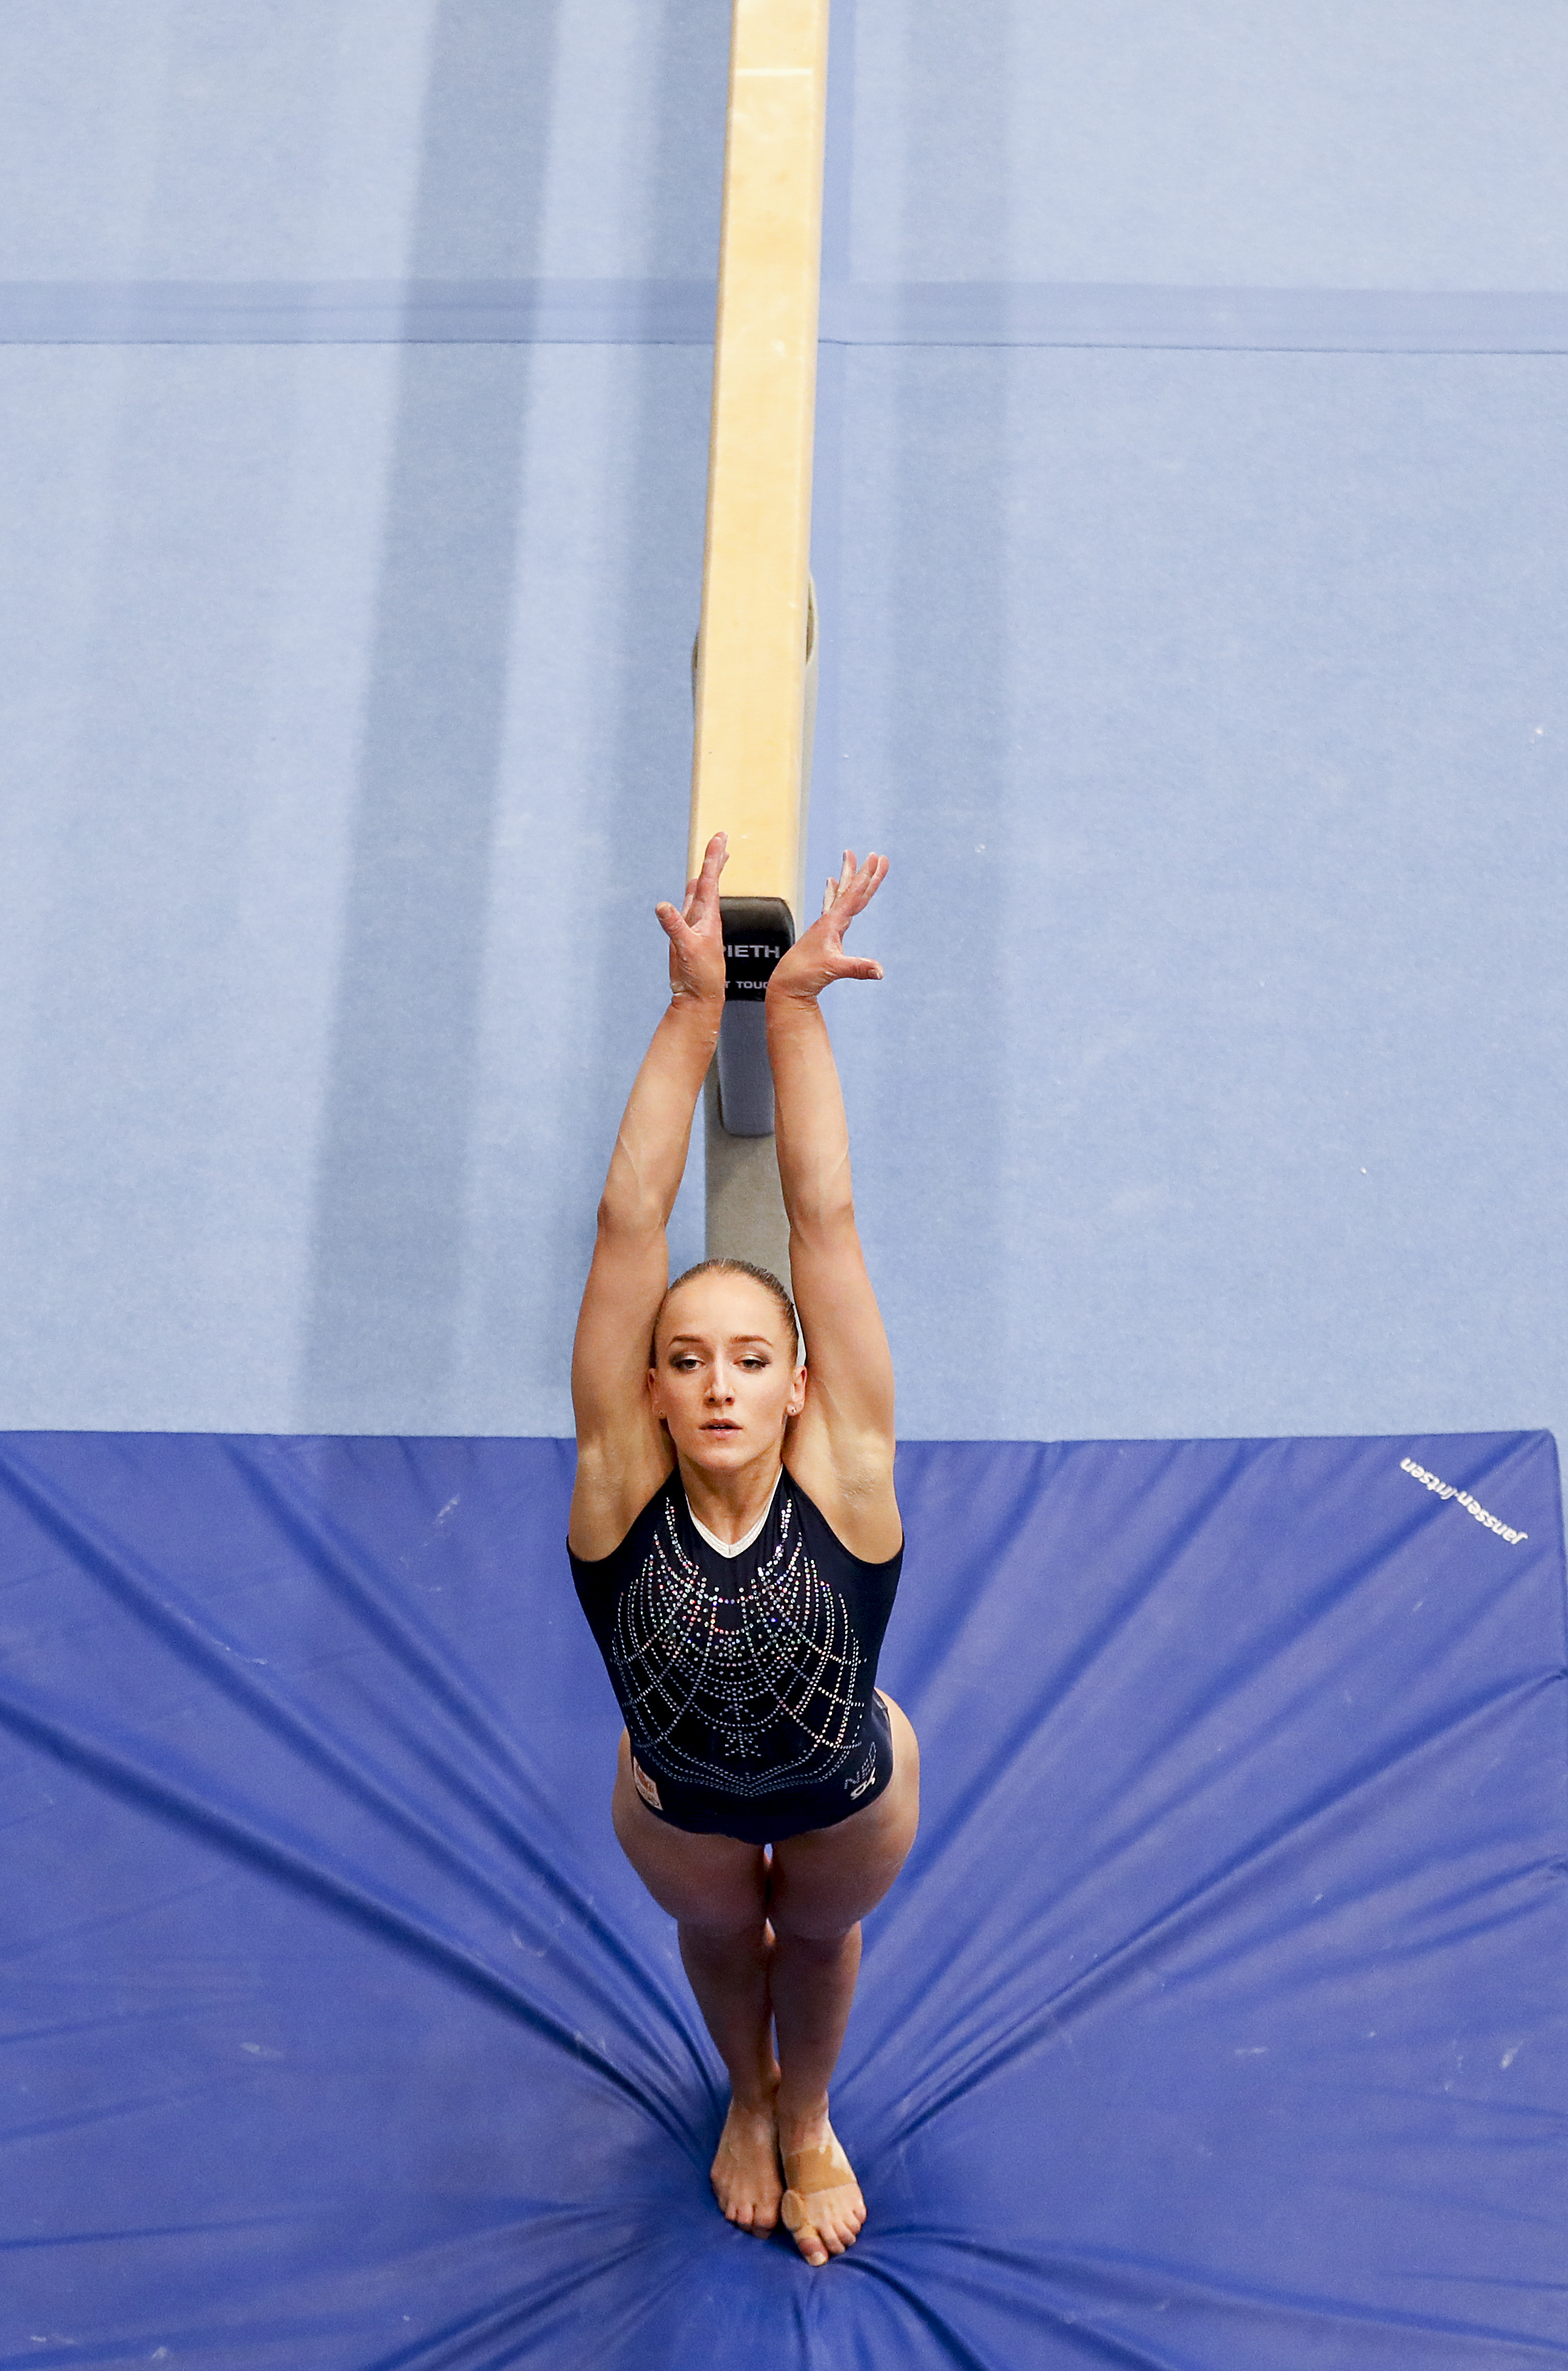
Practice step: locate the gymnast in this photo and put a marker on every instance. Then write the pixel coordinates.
(735, 1543)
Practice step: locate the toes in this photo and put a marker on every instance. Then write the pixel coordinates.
(824, 2232)
(842, 2227)
(803, 2230)
(757, 2214)
(816, 2245)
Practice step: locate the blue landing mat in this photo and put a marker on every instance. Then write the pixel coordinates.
(1217, 2024)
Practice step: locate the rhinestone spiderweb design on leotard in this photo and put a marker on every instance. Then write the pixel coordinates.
(746, 1691)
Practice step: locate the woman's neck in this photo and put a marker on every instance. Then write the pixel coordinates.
(730, 1504)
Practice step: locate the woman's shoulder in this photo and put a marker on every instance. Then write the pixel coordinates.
(598, 1535)
(861, 1535)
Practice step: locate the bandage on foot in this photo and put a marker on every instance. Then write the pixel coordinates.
(811, 2173)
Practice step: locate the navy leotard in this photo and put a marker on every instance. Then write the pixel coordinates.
(747, 1682)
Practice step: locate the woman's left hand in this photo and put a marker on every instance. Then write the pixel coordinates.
(817, 957)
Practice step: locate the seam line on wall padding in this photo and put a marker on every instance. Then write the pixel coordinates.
(680, 312)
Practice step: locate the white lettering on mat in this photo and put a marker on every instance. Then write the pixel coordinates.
(1471, 1506)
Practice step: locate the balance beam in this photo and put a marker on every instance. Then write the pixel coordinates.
(755, 652)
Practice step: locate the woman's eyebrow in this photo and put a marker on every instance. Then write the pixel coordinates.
(701, 1340)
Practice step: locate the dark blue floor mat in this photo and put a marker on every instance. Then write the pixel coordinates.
(1217, 2020)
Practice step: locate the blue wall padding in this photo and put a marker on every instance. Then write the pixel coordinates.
(1216, 2022)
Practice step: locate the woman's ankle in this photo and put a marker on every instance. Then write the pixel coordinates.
(802, 2122)
(756, 2095)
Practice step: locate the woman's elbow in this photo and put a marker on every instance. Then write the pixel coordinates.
(824, 1220)
(627, 1217)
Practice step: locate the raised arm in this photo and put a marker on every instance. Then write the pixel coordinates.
(842, 1446)
(622, 1455)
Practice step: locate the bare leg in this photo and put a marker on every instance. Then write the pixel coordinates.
(778, 1947)
(729, 1971)
(813, 1989)
(716, 1889)
(821, 1886)
(813, 1986)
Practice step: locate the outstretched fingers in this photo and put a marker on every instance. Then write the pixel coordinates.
(817, 957)
(856, 887)
(851, 895)
(702, 895)
(701, 890)
(694, 929)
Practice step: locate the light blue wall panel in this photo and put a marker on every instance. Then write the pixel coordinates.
(1211, 708)
(1416, 144)
(359, 139)
(347, 706)
(1209, 705)
(351, 731)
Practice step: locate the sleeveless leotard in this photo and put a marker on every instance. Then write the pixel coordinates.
(747, 1682)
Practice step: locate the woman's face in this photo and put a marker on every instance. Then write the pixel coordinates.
(724, 1378)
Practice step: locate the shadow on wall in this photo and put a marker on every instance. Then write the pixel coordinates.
(384, 1348)
(951, 710)
(539, 1161)
(390, 1202)
(914, 741)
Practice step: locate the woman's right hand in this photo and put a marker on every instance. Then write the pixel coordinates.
(696, 931)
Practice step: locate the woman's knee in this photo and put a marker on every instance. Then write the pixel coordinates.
(720, 1943)
(708, 1901)
(819, 1938)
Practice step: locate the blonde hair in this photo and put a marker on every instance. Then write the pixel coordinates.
(762, 1276)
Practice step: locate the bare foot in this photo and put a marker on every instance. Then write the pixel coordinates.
(745, 2172)
(823, 2205)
